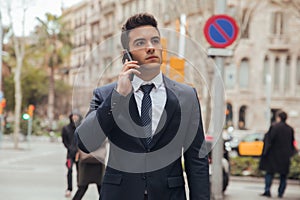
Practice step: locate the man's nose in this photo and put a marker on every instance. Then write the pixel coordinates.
(150, 48)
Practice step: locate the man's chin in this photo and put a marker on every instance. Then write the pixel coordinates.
(150, 66)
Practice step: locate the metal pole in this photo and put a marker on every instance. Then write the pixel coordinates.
(29, 130)
(218, 122)
(218, 114)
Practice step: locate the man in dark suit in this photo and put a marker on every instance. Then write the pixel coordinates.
(277, 151)
(150, 121)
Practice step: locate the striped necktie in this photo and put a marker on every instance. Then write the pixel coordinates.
(146, 112)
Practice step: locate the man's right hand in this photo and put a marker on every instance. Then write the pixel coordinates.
(124, 86)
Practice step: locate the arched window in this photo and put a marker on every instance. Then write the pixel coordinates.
(229, 114)
(266, 69)
(242, 117)
(276, 74)
(298, 71)
(244, 73)
(287, 72)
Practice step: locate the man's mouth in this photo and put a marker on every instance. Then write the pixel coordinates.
(151, 57)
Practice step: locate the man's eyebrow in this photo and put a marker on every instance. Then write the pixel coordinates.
(139, 39)
(155, 37)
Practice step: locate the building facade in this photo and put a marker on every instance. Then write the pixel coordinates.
(263, 74)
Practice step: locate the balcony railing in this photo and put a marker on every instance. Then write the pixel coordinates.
(279, 42)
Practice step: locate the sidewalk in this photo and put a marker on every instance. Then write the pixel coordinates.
(39, 172)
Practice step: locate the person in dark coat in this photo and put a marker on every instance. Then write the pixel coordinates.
(277, 151)
(68, 141)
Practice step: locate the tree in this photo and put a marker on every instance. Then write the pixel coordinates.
(19, 50)
(54, 39)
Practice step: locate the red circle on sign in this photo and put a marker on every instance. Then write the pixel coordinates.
(214, 30)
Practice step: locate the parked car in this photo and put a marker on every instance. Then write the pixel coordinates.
(225, 161)
(251, 145)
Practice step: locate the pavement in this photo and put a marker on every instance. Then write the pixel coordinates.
(37, 171)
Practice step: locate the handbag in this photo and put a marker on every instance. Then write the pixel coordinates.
(87, 158)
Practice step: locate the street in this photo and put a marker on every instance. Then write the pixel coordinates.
(38, 172)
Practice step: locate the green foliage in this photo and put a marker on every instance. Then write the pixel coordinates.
(295, 167)
(240, 166)
(34, 86)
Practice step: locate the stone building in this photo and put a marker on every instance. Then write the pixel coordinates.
(267, 46)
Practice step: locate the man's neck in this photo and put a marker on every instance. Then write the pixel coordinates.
(148, 75)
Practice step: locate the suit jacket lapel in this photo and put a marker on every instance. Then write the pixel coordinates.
(136, 120)
(170, 107)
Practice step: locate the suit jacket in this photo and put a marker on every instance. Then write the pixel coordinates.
(134, 168)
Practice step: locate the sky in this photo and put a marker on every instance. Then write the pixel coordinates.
(36, 8)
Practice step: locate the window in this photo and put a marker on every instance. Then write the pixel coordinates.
(229, 115)
(230, 74)
(245, 21)
(287, 72)
(276, 74)
(266, 70)
(277, 27)
(244, 73)
(298, 72)
(242, 117)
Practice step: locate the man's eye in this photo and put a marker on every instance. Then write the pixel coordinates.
(156, 41)
(140, 43)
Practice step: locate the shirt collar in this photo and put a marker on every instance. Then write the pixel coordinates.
(138, 82)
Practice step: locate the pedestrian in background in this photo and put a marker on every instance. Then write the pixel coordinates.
(90, 170)
(277, 152)
(72, 149)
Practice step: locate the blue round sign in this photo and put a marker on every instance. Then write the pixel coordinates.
(220, 31)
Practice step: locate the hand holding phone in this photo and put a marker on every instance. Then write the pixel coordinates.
(127, 56)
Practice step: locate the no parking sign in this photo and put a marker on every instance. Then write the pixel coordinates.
(220, 31)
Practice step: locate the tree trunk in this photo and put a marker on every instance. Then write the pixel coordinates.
(50, 111)
(18, 100)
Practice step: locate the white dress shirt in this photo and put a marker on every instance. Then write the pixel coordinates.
(158, 97)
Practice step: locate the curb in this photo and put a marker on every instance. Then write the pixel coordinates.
(261, 180)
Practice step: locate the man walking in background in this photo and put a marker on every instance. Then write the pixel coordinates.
(277, 151)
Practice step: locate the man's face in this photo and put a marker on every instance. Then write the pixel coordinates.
(145, 47)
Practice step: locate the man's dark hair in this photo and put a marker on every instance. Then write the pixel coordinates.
(137, 20)
(282, 115)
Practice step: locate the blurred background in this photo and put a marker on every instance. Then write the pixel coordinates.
(54, 53)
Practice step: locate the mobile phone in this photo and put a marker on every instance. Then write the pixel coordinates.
(127, 56)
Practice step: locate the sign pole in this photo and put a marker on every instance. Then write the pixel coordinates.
(218, 113)
(29, 130)
(220, 31)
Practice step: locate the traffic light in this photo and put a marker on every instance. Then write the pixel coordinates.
(30, 110)
(177, 69)
(25, 116)
(2, 105)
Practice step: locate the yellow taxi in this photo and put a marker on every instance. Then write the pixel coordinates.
(251, 145)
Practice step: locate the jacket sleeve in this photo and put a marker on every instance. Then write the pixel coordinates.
(195, 157)
(89, 135)
(65, 138)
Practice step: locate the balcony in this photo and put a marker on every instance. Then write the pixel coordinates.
(278, 42)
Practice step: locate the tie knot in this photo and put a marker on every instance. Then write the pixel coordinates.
(147, 88)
